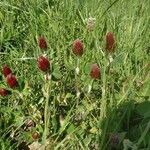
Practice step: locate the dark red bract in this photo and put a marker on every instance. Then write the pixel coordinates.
(11, 81)
(95, 71)
(35, 136)
(3, 92)
(43, 63)
(42, 42)
(110, 42)
(78, 47)
(6, 70)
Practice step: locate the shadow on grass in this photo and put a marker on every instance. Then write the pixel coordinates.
(127, 123)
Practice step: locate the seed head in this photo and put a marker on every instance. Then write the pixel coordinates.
(110, 42)
(77, 47)
(42, 42)
(95, 71)
(43, 63)
(11, 81)
(6, 70)
(3, 92)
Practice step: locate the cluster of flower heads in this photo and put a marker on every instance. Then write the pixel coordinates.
(79, 50)
(44, 64)
(10, 79)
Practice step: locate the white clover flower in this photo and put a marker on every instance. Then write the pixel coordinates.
(90, 23)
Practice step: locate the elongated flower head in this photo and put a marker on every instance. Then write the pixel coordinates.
(42, 42)
(77, 47)
(6, 70)
(12, 81)
(110, 42)
(43, 63)
(95, 71)
(3, 92)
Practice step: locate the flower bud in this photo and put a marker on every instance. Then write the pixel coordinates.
(3, 92)
(35, 136)
(95, 71)
(12, 81)
(77, 47)
(42, 42)
(6, 70)
(110, 42)
(43, 63)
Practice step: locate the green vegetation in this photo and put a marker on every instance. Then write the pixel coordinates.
(63, 112)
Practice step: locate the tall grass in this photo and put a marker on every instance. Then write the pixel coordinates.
(115, 113)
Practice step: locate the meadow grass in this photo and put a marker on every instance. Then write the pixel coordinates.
(115, 114)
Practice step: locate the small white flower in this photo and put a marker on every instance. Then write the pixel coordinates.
(61, 120)
(78, 94)
(89, 88)
(110, 59)
(77, 70)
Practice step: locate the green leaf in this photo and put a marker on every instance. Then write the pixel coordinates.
(119, 59)
(146, 88)
(71, 129)
(87, 141)
(1, 16)
(93, 130)
(87, 68)
(56, 73)
(55, 123)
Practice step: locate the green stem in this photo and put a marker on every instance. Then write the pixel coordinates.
(143, 134)
(103, 108)
(46, 111)
(76, 78)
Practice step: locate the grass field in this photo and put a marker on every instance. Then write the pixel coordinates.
(70, 110)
